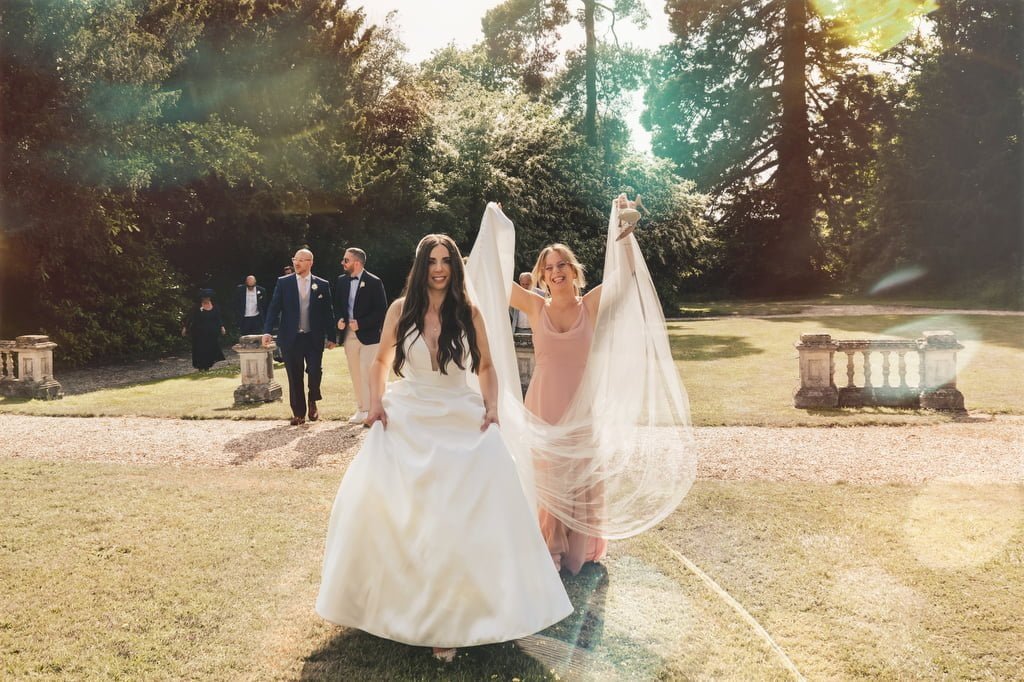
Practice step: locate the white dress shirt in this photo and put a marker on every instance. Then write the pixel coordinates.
(353, 288)
(251, 307)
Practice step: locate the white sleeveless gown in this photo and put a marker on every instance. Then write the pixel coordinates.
(431, 541)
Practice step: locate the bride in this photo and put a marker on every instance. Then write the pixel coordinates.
(432, 541)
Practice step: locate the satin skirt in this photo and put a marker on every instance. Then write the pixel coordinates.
(431, 540)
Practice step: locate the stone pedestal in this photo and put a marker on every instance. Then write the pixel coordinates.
(817, 387)
(257, 363)
(30, 359)
(524, 358)
(938, 374)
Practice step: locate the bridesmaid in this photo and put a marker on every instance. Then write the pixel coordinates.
(563, 327)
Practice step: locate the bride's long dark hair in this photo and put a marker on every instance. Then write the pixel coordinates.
(456, 312)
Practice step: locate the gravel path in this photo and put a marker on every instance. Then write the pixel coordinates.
(989, 450)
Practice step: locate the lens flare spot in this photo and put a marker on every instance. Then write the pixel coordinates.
(963, 523)
(642, 617)
(875, 24)
(898, 278)
(966, 335)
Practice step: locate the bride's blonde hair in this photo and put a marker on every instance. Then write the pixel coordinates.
(579, 280)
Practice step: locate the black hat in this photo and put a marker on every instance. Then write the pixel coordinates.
(206, 293)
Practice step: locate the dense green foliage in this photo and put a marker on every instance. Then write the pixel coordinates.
(951, 176)
(151, 148)
(911, 144)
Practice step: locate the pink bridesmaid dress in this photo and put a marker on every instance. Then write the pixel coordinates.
(560, 360)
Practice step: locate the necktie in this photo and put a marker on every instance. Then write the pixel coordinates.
(304, 305)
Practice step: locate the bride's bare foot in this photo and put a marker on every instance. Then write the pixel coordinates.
(444, 655)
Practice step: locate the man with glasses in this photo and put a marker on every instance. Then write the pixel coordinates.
(303, 302)
(520, 321)
(360, 304)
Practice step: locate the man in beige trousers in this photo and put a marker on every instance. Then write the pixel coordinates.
(360, 303)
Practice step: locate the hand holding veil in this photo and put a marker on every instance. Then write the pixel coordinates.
(622, 457)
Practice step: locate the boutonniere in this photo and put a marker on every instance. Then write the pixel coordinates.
(320, 296)
(313, 286)
(362, 284)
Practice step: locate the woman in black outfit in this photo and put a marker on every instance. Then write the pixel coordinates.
(203, 324)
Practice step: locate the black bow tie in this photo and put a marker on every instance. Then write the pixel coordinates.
(352, 278)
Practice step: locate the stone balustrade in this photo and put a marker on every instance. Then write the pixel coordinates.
(26, 368)
(913, 373)
(257, 364)
(524, 358)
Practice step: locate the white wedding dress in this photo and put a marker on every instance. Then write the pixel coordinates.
(431, 540)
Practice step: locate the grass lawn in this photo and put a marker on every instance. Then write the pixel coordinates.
(116, 571)
(737, 371)
(201, 395)
(744, 370)
(733, 307)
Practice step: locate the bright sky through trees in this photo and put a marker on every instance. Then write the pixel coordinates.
(427, 26)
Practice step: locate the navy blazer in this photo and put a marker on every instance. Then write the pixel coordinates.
(285, 303)
(370, 307)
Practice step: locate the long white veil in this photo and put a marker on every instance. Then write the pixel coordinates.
(622, 457)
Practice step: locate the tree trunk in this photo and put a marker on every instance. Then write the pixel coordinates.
(590, 116)
(791, 257)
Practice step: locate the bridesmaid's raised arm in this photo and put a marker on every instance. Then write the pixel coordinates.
(527, 301)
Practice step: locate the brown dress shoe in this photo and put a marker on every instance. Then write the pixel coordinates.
(296, 421)
(314, 413)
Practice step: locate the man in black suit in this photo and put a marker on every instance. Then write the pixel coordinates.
(250, 306)
(303, 302)
(361, 304)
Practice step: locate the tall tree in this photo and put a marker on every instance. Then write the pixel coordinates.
(739, 102)
(503, 146)
(949, 203)
(80, 138)
(521, 34)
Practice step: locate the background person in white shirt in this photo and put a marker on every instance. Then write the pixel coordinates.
(520, 321)
(251, 306)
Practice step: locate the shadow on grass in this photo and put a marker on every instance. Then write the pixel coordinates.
(588, 592)
(844, 414)
(565, 647)
(244, 407)
(702, 347)
(219, 373)
(311, 447)
(247, 447)
(569, 646)
(743, 308)
(356, 655)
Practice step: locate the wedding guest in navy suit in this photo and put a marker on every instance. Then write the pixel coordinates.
(361, 305)
(302, 301)
(250, 306)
